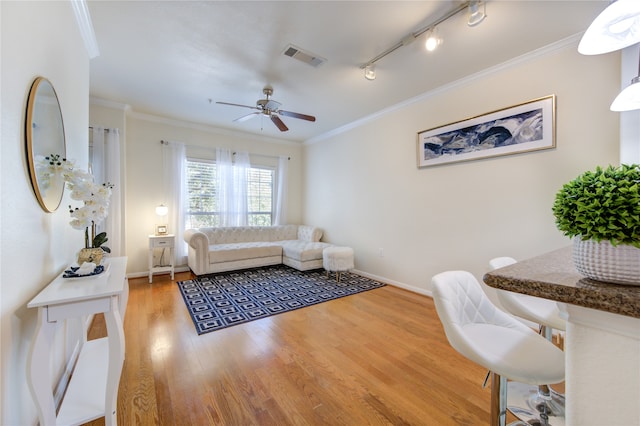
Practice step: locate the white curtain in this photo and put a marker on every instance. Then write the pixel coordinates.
(105, 167)
(175, 186)
(231, 184)
(281, 192)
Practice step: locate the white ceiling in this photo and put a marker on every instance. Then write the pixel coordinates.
(168, 58)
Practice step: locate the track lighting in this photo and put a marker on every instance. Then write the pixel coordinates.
(477, 12)
(617, 27)
(370, 72)
(433, 40)
(629, 98)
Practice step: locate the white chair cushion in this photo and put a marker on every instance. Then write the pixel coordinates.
(536, 309)
(486, 335)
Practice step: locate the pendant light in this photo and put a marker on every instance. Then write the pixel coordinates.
(617, 27)
(629, 98)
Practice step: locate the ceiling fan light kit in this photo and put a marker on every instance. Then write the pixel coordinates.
(270, 108)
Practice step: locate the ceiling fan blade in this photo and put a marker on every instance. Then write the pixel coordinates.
(239, 105)
(276, 120)
(246, 117)
(297, 115)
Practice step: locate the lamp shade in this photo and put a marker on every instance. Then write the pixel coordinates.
(617, 27)
(629, 98)
(162, 210)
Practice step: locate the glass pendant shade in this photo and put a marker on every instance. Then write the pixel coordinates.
(617, 27)
(629, 98)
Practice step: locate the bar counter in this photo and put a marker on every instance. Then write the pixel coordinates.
(602, 340)
(553, 276)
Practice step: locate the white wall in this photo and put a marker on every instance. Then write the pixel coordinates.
(145, 179)
(38, 39)
(629, 120)
(459, 216)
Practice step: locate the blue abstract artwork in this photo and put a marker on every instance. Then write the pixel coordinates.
(526, 127)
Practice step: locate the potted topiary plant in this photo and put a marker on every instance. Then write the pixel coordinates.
(601, 210)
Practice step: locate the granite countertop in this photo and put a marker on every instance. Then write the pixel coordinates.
(553, 276)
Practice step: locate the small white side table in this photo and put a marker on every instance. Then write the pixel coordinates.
(163, 242)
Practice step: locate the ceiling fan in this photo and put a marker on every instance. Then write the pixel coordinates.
(271, 109)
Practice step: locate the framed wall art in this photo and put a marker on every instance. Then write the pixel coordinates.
(529, 126)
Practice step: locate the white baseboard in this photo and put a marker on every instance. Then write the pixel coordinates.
(184, 268)
(404, 286)
(385, 280)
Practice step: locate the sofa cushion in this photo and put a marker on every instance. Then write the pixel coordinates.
(219, 253)
(303, 250)
(308, 233)
(248, 234)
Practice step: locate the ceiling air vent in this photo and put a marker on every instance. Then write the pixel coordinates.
(304, 56)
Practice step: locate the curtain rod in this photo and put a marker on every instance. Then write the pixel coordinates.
(264, 155)
(105, 129)
(163, 142)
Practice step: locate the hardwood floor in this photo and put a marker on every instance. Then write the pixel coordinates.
(378, 357)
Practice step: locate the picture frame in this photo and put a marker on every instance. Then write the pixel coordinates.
(525, 127)
(161, 229)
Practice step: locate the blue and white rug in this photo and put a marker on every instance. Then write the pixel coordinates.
(221, 300)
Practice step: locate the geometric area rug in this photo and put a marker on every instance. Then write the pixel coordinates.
(222, 300)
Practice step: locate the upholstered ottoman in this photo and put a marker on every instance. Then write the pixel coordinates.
(337, 259)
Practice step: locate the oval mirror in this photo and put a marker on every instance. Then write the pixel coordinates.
(46, 149)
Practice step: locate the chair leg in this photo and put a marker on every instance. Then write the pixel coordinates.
(498, 400)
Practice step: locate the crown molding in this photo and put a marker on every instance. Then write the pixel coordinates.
(109, 104)
(569, 42)
(208, 129)
(83, 18)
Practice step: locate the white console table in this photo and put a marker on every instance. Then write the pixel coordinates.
(93, 389)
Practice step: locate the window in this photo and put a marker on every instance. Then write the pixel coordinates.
(260, 197)
(202, 200)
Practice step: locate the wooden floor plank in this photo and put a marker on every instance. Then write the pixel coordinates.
(374, 358)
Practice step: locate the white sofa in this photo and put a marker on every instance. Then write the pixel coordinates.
(225, 249)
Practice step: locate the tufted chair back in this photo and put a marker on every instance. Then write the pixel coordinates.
(541, 311)
(480, 331)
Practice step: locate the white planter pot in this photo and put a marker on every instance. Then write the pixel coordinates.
(604, 262)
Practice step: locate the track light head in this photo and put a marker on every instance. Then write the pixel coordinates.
(370, 72)
(477, 12)
(433, 40)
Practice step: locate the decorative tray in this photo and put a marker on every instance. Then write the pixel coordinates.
(71, 272)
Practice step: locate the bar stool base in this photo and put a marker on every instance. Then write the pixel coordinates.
(524, 402)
